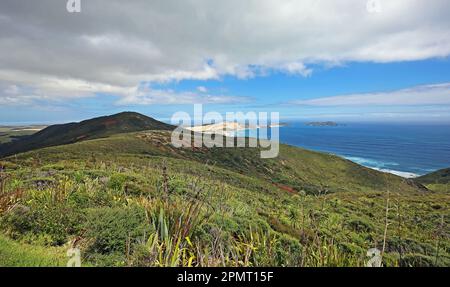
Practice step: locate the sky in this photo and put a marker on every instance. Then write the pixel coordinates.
(352, 60)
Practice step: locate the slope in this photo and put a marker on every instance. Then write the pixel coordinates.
(74, 132)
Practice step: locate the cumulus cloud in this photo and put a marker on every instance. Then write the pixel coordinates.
(202, 89)
(112, 45)
(149, 96)
(58, 90)
(296, 68)
(416, 96)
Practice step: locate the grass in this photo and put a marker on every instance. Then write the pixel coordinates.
(15, 254)
(134, 200)
(89, 129)
(438, 181)
(7, 134)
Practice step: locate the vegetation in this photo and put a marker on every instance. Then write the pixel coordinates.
(9, 133)
(23, 255)
(134, 200)
(89, 129)
(438, 180)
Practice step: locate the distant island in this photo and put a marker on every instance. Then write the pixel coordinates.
(322, 124)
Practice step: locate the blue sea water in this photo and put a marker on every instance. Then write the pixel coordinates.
(404, 149)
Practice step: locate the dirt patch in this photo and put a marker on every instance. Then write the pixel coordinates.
(285, 188)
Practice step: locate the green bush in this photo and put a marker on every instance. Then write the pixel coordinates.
(109, 229)
(57, 223)
(288, 251)
(359, 225)
(17, 221)
(416, 260)
(133, 189)
(113, 259)
(406, 245)
(117, 181)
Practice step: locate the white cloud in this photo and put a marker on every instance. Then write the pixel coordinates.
(296, 68)
(58, 90)
(112, 46)
(149, 96)
(415, 96)
(202, 89)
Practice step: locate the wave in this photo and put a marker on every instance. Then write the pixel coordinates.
(370, 162)
(380, 166)
(403, 150)
(399, 173)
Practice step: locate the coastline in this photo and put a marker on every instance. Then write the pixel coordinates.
(236, 129)
(406, 150)
(364, 161)
(403, 174)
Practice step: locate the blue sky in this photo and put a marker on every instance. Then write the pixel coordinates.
(307, 60)
(276, 92)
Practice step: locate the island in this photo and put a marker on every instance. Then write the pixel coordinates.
(322, 124)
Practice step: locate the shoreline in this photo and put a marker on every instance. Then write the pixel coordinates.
(360, 161)
(233, 129)
(403, 174)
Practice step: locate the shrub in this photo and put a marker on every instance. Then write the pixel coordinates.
(117, 181)
(288, 251)
(416, 260)
(359, 225)
(56, 223)
(406, 245)
(111, 228)
(17, 221)
(133, 189)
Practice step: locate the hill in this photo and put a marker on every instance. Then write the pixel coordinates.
(441, 176)
(132, 199)
(90, 129)
(13, 133)
(295, 169)
(438, 180)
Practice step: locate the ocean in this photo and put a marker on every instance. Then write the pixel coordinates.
(407, 150)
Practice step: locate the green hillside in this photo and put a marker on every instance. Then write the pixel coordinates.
(441, 176)
(438, 180)
(89, 129)
(295, 168)
(24, 255)
(132, 199)
(14, 133)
